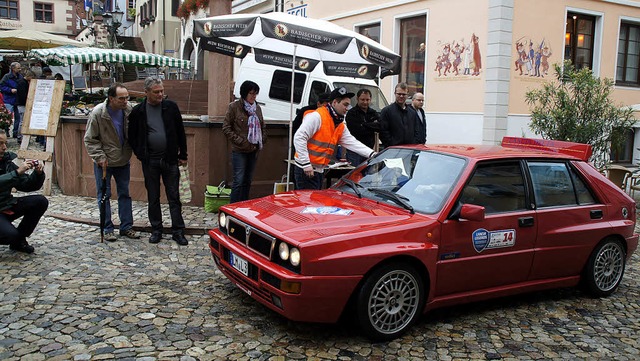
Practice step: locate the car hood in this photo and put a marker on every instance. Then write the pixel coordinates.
(304, 216)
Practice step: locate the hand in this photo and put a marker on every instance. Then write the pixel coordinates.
(13, 91)
(182, 162)
(308, 171)
(22, 168)
(39, 167)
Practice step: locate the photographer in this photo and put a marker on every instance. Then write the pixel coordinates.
(30, 208)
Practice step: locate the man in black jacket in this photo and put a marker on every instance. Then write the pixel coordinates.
(417, 102)
(398, 121)
(157, 137)
(30, 208)
(362, 121)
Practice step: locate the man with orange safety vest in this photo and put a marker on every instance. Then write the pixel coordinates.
(318, 137)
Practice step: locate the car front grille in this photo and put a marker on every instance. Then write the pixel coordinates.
(252, 238)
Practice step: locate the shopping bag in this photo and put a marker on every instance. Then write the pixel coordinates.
(184, 187)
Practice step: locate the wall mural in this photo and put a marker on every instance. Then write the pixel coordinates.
(532, 57)
(459, 58)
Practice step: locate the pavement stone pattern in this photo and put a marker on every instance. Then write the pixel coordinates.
(78, 299)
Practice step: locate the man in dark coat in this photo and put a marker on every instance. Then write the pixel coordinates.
(398, 121)
(362, 121)
(417, 102)
(30, 208)
(157, 137)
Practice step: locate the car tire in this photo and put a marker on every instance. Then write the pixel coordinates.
(389, 301)
(605, 268)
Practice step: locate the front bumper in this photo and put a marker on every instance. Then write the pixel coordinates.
(321, 299)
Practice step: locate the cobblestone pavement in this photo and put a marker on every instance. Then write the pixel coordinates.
(78, 299)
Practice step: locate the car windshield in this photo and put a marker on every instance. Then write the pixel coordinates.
(378, 101)
(413, 179)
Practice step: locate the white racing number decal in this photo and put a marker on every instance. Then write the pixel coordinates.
(483, 239)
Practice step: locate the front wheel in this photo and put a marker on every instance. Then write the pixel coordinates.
(389, 301)
(605, 268)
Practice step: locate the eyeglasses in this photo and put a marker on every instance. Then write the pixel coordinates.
(123, 98)
(401, 94)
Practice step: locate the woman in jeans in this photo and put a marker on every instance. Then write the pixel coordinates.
(244, 128)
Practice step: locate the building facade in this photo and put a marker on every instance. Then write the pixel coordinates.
(476, 59)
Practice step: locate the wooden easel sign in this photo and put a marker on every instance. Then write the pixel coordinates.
(41, 116)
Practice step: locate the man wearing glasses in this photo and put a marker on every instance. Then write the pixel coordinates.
(398, 121)
(107, 144)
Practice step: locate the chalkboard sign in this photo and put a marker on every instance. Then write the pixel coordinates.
(79, 82)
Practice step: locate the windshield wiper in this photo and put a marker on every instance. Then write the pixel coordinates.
(353, 185)
(401, 200)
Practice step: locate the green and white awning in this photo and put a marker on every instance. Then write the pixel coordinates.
(70, 55)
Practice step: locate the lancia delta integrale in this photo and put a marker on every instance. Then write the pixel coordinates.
(420, 227)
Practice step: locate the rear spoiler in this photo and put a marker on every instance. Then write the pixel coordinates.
(579, 150)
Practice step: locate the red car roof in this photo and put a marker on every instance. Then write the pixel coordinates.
(483, 152)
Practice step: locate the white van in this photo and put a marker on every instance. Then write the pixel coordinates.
(275, 87)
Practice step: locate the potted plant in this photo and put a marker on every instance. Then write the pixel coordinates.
(131, 14)
(6, 118)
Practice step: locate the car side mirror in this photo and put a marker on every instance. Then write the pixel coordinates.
(472, 212)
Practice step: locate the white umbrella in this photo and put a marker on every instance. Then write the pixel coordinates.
(32, 39)
(304, 39)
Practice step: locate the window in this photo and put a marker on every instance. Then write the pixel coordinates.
(9, 9)
(317, 88)
(371, 31)
(628, 55)
(498, 187)
(579, 40)
(412, 49)
(281, 86)
(43, 13)
(553, 185)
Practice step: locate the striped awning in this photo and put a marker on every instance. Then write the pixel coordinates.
(71, 55)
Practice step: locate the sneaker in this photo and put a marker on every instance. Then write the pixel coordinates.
(180, 239)
(155, 237)
(110, 237)
(22, 246)
(130, 233)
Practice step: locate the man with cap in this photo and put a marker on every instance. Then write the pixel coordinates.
(318, 137)
(323, 99)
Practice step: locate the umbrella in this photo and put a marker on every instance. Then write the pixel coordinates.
(67, 55)
(307, 39)
(103, 203)
(33, 39)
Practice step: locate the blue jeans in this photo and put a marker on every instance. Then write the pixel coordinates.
(121, 175)
(17, 133)
(153, 170)
(243, 166)
(305, 182)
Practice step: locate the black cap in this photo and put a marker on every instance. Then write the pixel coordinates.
(340, 93)
(324, 97)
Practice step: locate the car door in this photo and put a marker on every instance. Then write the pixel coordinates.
(497, 251)
(570, 220)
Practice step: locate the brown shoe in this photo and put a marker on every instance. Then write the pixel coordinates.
(130, 233)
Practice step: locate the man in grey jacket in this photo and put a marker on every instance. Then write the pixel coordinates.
(106, 143)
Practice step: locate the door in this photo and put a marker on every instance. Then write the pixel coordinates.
(497, 251)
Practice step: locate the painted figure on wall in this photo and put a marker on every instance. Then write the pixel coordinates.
(477, 59)
(533, 62)
(455, 55)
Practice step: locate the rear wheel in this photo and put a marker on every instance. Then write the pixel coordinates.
(605, 268)
(389, 301)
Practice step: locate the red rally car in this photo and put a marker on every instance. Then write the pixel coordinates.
(420, 227)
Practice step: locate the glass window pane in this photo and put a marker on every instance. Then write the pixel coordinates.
(412, 50)
(584, 194)
(552, 184)
(497, 187)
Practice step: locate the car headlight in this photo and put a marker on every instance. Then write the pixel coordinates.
(222, 220)
(294, 257)
(283, 251)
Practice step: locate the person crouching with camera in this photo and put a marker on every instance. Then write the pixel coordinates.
(30, 208)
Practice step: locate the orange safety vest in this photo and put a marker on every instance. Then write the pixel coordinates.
(324, 142)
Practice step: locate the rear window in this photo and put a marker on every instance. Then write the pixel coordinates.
(281, 86)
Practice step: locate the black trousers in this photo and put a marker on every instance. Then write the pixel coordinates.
(30, 208)
(153, 171)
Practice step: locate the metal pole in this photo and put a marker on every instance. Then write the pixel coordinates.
(293, 77)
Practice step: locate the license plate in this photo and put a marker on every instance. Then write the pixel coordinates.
(239, 263)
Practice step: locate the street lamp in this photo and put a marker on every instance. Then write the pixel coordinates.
(112, 21)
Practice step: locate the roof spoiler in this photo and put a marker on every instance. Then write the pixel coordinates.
(579, 150)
